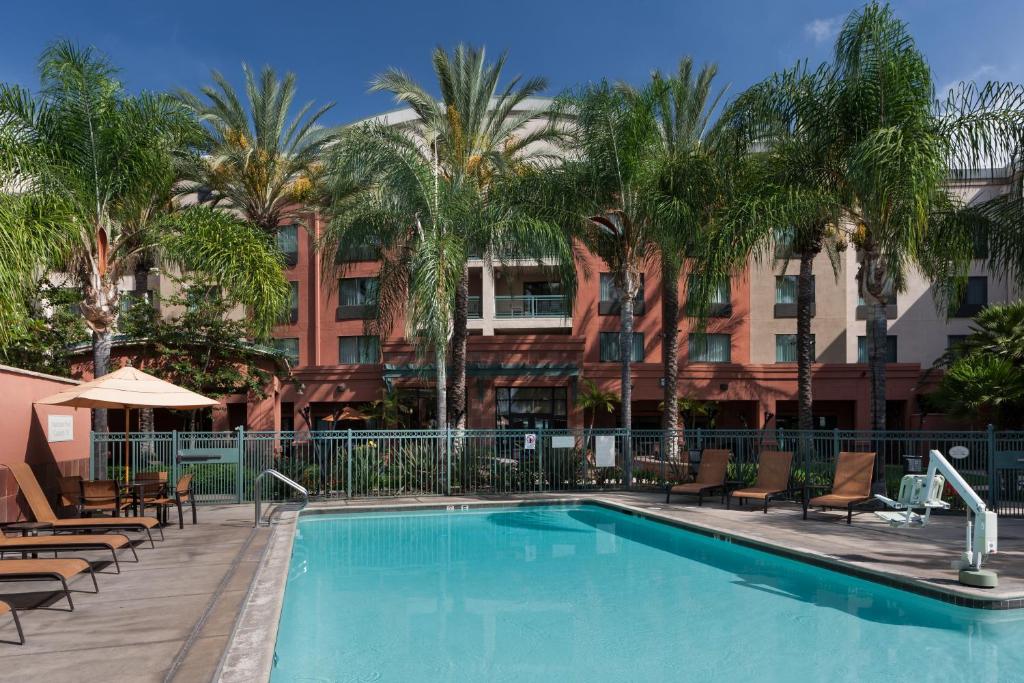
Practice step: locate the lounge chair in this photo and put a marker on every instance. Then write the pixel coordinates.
(772, 479)
(4, 608)
(56, 544)
(42, 512)
(71, 493)
(710, 476)
(851, 484)
(182, 494)
(48, 570)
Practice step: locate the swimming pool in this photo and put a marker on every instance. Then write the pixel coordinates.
(586, 593)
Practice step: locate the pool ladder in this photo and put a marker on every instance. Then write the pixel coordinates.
(280, 477)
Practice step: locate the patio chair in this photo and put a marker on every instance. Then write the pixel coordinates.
(42, 512)
(710, 476)
(773, 479)
(182, 494)
(851, 484)
(153, 487)
(71, 492)
(4, 609)
(103, 495)
(62, 543)
(48, 570)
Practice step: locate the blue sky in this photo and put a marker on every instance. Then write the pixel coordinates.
(335, 48)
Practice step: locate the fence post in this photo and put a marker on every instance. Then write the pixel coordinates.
(664, 454)
(348, 477)
(448, 462)
(240, 445)
(540, 456)
(92, 456)
(175, 470)
(993, 472)
(835, 442)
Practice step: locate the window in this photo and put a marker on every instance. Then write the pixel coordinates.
(720, 299)
(360, 349)
(609, 303)
(610, 348)
(890, 349)
(289, 346)
(351, 252)
(786, 287)
(784, 238)
(288, 243)
(785, 348)
(292, 316)
(975, 298)
(887, 290)
(710, 348)
(200, 294)
(953, 343)
(979, 244)
(356, 297)
(531, 407)
(542, 288)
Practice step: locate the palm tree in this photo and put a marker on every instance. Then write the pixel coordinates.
(98, 165)
(255, 160)
(899, 144)
(690, 177)
(594, 399)
(390, 409)
(792, 180)
(383, 189)
(477, 132)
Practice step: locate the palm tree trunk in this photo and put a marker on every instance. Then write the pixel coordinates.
(101, 341)
(670, 357)
(804, 340)
(459, 336)
(625, 355)
(442, 386)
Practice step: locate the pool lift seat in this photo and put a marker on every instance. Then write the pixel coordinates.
(924, 492)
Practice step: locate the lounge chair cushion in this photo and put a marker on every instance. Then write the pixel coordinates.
(64, 568)
(112, 522)
(835, 500)
(755, 492)
(693, 487)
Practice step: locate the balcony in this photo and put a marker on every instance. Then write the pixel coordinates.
(531, 306)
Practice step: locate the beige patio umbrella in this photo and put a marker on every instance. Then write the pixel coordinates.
(128, 388)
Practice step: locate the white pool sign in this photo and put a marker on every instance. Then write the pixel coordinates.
(563, 442)
(530, 442)
(60, 428)
(605, 447)
(959, 452)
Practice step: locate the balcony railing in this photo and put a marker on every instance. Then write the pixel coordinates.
(539, 306)
(474, 309)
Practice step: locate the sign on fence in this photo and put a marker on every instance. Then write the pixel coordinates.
(563, 442)
(530, 442)
(605, 456)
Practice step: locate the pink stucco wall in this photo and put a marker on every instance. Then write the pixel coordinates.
(23, 436)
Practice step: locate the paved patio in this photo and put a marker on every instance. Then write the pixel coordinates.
(170, 616)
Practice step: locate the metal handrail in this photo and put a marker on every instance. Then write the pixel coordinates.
(280, 477)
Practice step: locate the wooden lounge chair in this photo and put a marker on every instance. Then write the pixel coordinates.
(62, 543)
(851, 484)
(4, 609)
(48, 570)
(710, 476)
(71, 493)
(772, 479)
(42, 512)
(182, 494)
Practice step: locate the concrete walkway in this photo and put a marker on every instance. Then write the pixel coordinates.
(166, 618)
(170, 616)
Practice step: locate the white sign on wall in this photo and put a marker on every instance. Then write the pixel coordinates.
(563, 442)
(60, 428)
(530, 442)
(605, 456)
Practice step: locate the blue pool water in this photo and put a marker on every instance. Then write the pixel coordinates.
(584, 593)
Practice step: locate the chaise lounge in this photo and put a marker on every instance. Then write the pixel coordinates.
(772, 479)
(42, 511)
(851, 484)
(710, 476)
(56, 544)
(48, 570)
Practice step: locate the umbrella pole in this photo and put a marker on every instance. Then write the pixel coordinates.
(127, 426)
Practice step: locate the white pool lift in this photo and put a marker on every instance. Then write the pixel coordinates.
(923, 492)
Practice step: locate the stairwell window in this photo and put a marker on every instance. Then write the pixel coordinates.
(609, 303)
(890, 349)
(356, 297)
(719, 301)
(975, 298)
(288, 243)
(289, 346)
(710, 348)
(358, 349)
(610, 347)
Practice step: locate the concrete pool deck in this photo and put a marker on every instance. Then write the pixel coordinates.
(171, 616)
